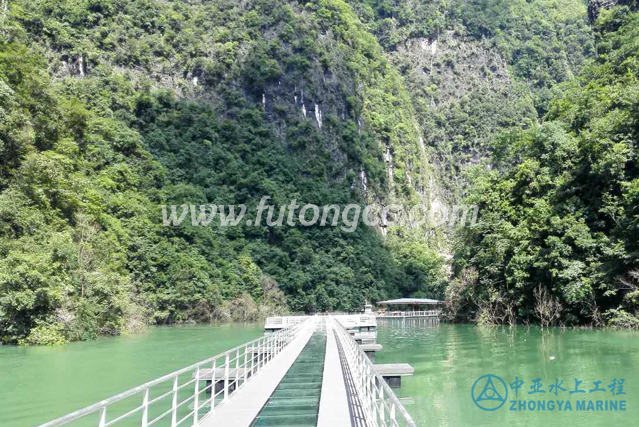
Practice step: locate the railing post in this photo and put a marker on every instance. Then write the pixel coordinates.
(271, 350)
(392, 413)
(174, 406)
(267, 342)
(276, 340)
(237, 369)
(260, 353)
(381, 406)
(213, 369)
(373, 395)
(273, 346)
(103, 417)
(253, 358)
(145, 410)
(196, 398)
(264, 352)
(226, 377)
(245, 363)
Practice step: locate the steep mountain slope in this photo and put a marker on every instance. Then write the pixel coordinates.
(556, 243)
(475, 68)
(111, 109)
(125, 106)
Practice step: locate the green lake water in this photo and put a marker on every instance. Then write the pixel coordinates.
(39, 384)
(448, 359)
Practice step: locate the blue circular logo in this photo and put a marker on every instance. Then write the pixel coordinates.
(489, 392)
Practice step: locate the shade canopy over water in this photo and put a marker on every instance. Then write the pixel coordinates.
(410, 301)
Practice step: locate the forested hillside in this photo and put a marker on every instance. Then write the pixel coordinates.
(476, 68)
(110, 109)
(557, 239)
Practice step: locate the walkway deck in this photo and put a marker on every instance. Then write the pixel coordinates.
(246, 405)
(313, 374)
(296, 399)
(334, 408)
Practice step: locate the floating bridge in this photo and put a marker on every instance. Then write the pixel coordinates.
(305, 371)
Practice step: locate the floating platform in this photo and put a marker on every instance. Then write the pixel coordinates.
(314, 374)
(370, 349)
(393, 372)
(207, 374)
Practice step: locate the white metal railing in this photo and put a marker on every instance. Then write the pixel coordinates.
(348, 320)
(356, 320)
(426, 313)
(277, 322)
(380, 405)
(178, 396)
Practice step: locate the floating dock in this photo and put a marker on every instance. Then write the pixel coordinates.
(306, 371)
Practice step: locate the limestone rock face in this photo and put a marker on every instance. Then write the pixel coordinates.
(595, 6)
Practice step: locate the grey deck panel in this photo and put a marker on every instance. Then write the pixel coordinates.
(333, 411)
(241, 409)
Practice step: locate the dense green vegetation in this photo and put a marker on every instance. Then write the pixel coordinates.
(557, 239)
(110, 109)
(477, 67)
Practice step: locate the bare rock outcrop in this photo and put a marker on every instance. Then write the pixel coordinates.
(595, 6)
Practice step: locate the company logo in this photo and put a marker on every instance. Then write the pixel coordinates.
(489, 392)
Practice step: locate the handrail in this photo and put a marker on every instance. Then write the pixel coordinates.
(235, 367)
(379, 403)
(284, 321)
(423, 313)
(354, 318)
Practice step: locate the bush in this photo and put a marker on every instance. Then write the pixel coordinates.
(621, 319)
(45, 335)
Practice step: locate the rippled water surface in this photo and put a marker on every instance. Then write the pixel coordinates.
(38, 384)
(448, 359)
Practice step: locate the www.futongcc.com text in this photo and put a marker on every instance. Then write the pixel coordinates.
(308, 215)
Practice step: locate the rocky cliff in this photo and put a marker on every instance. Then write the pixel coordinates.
(595, 6)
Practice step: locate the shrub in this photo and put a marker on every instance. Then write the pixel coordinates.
(617, 318)
(52, 334)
